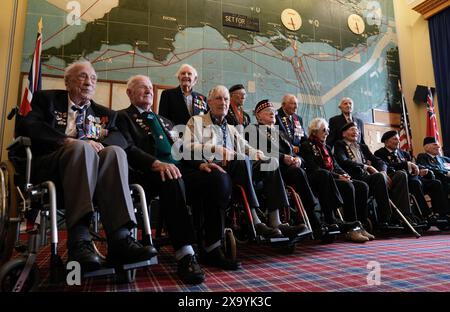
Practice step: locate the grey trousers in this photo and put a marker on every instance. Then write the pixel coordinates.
(86, 178)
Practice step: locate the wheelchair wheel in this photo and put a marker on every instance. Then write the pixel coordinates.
(10, 273)
(8, 210)
(229, 245)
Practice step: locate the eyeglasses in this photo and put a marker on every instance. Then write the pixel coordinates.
(85, 76)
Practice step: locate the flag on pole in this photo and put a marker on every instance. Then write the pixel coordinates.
(432, 128)
(405, 129)
(34, 76)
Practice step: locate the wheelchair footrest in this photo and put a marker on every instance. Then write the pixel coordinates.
(100, 272)
(137, 265)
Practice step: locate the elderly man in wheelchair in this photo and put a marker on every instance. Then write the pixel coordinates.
(75, 143)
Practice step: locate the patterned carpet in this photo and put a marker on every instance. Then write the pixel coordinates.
(407, 265)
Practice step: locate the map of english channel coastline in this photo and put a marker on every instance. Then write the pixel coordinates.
(320, 62)
(151, 25)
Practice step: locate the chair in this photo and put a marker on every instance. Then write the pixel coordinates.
(37, 204)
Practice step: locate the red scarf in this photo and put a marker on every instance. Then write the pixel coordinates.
(238, 113)
(326, 157)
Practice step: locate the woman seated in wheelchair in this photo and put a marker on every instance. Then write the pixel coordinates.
(210, 138)
(333, 186)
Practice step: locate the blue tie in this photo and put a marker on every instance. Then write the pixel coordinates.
(79, 121)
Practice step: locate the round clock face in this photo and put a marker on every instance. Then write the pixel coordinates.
(356, 24)
(291, 19)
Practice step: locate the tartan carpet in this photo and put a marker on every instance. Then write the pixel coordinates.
(407, 265)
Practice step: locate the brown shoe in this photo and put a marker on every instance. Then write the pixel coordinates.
(291, 230)
(367, 234)
(356, 236)
(266, 231)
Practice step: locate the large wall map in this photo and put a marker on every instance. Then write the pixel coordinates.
(333, 54)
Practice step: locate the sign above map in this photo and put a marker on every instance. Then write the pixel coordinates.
(240, 21)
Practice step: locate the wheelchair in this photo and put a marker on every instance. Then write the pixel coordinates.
(441, 224)
(408, 224)
(239, 221)
(36, 205)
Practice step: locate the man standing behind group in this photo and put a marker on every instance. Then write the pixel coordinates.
(291, 123)
(180, 104)
(339, 121)
(236, 114)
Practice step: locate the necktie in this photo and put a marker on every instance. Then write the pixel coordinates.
(79, 121)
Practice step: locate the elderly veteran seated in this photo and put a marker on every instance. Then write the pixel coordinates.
(76, 143)
(211, 139)
(150, 139)
(334, 186)
(420, 179)
(434, 161)
(291, 165)
(361, 164)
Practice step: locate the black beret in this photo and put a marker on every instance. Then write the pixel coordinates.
(236, 87)
(348, 126)
(263, 104)
(387, 135)
(429, 140)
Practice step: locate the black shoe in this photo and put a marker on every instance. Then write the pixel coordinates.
(267, 232)
(216, 258)
(129, 250)
(291, 230)
(190, 271)
(84, 253)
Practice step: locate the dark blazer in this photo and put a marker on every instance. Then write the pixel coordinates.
(173, 107)
(435, 165)
(397, 161)
(141, 148)
(46, 123)
(232, 119)
(294, 130)
(141, 144)
(313, 159)
(345, 158)
(275, 140)
(336, 123)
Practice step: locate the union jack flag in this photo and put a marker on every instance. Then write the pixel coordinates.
(432, 128)
(405, 129)
(34, 76)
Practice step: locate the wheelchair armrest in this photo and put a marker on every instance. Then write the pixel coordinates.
(19, 142)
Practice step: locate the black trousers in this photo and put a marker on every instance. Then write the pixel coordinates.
(244, 173)
(297, 178)
(324, 187)
(177, 217)
(355, 194)
(209, 195)
(420, 186)
(378, 188)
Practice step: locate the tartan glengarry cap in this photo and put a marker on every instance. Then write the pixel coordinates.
(348, 126)
(387, 135)
(236, 87)
(429, 140)
(263, 105)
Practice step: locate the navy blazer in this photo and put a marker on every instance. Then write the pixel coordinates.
(46, 123)
(356, 170)
(337, 122)
(294, 130)
(313, 159)
(436, 165)
(173, 107)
